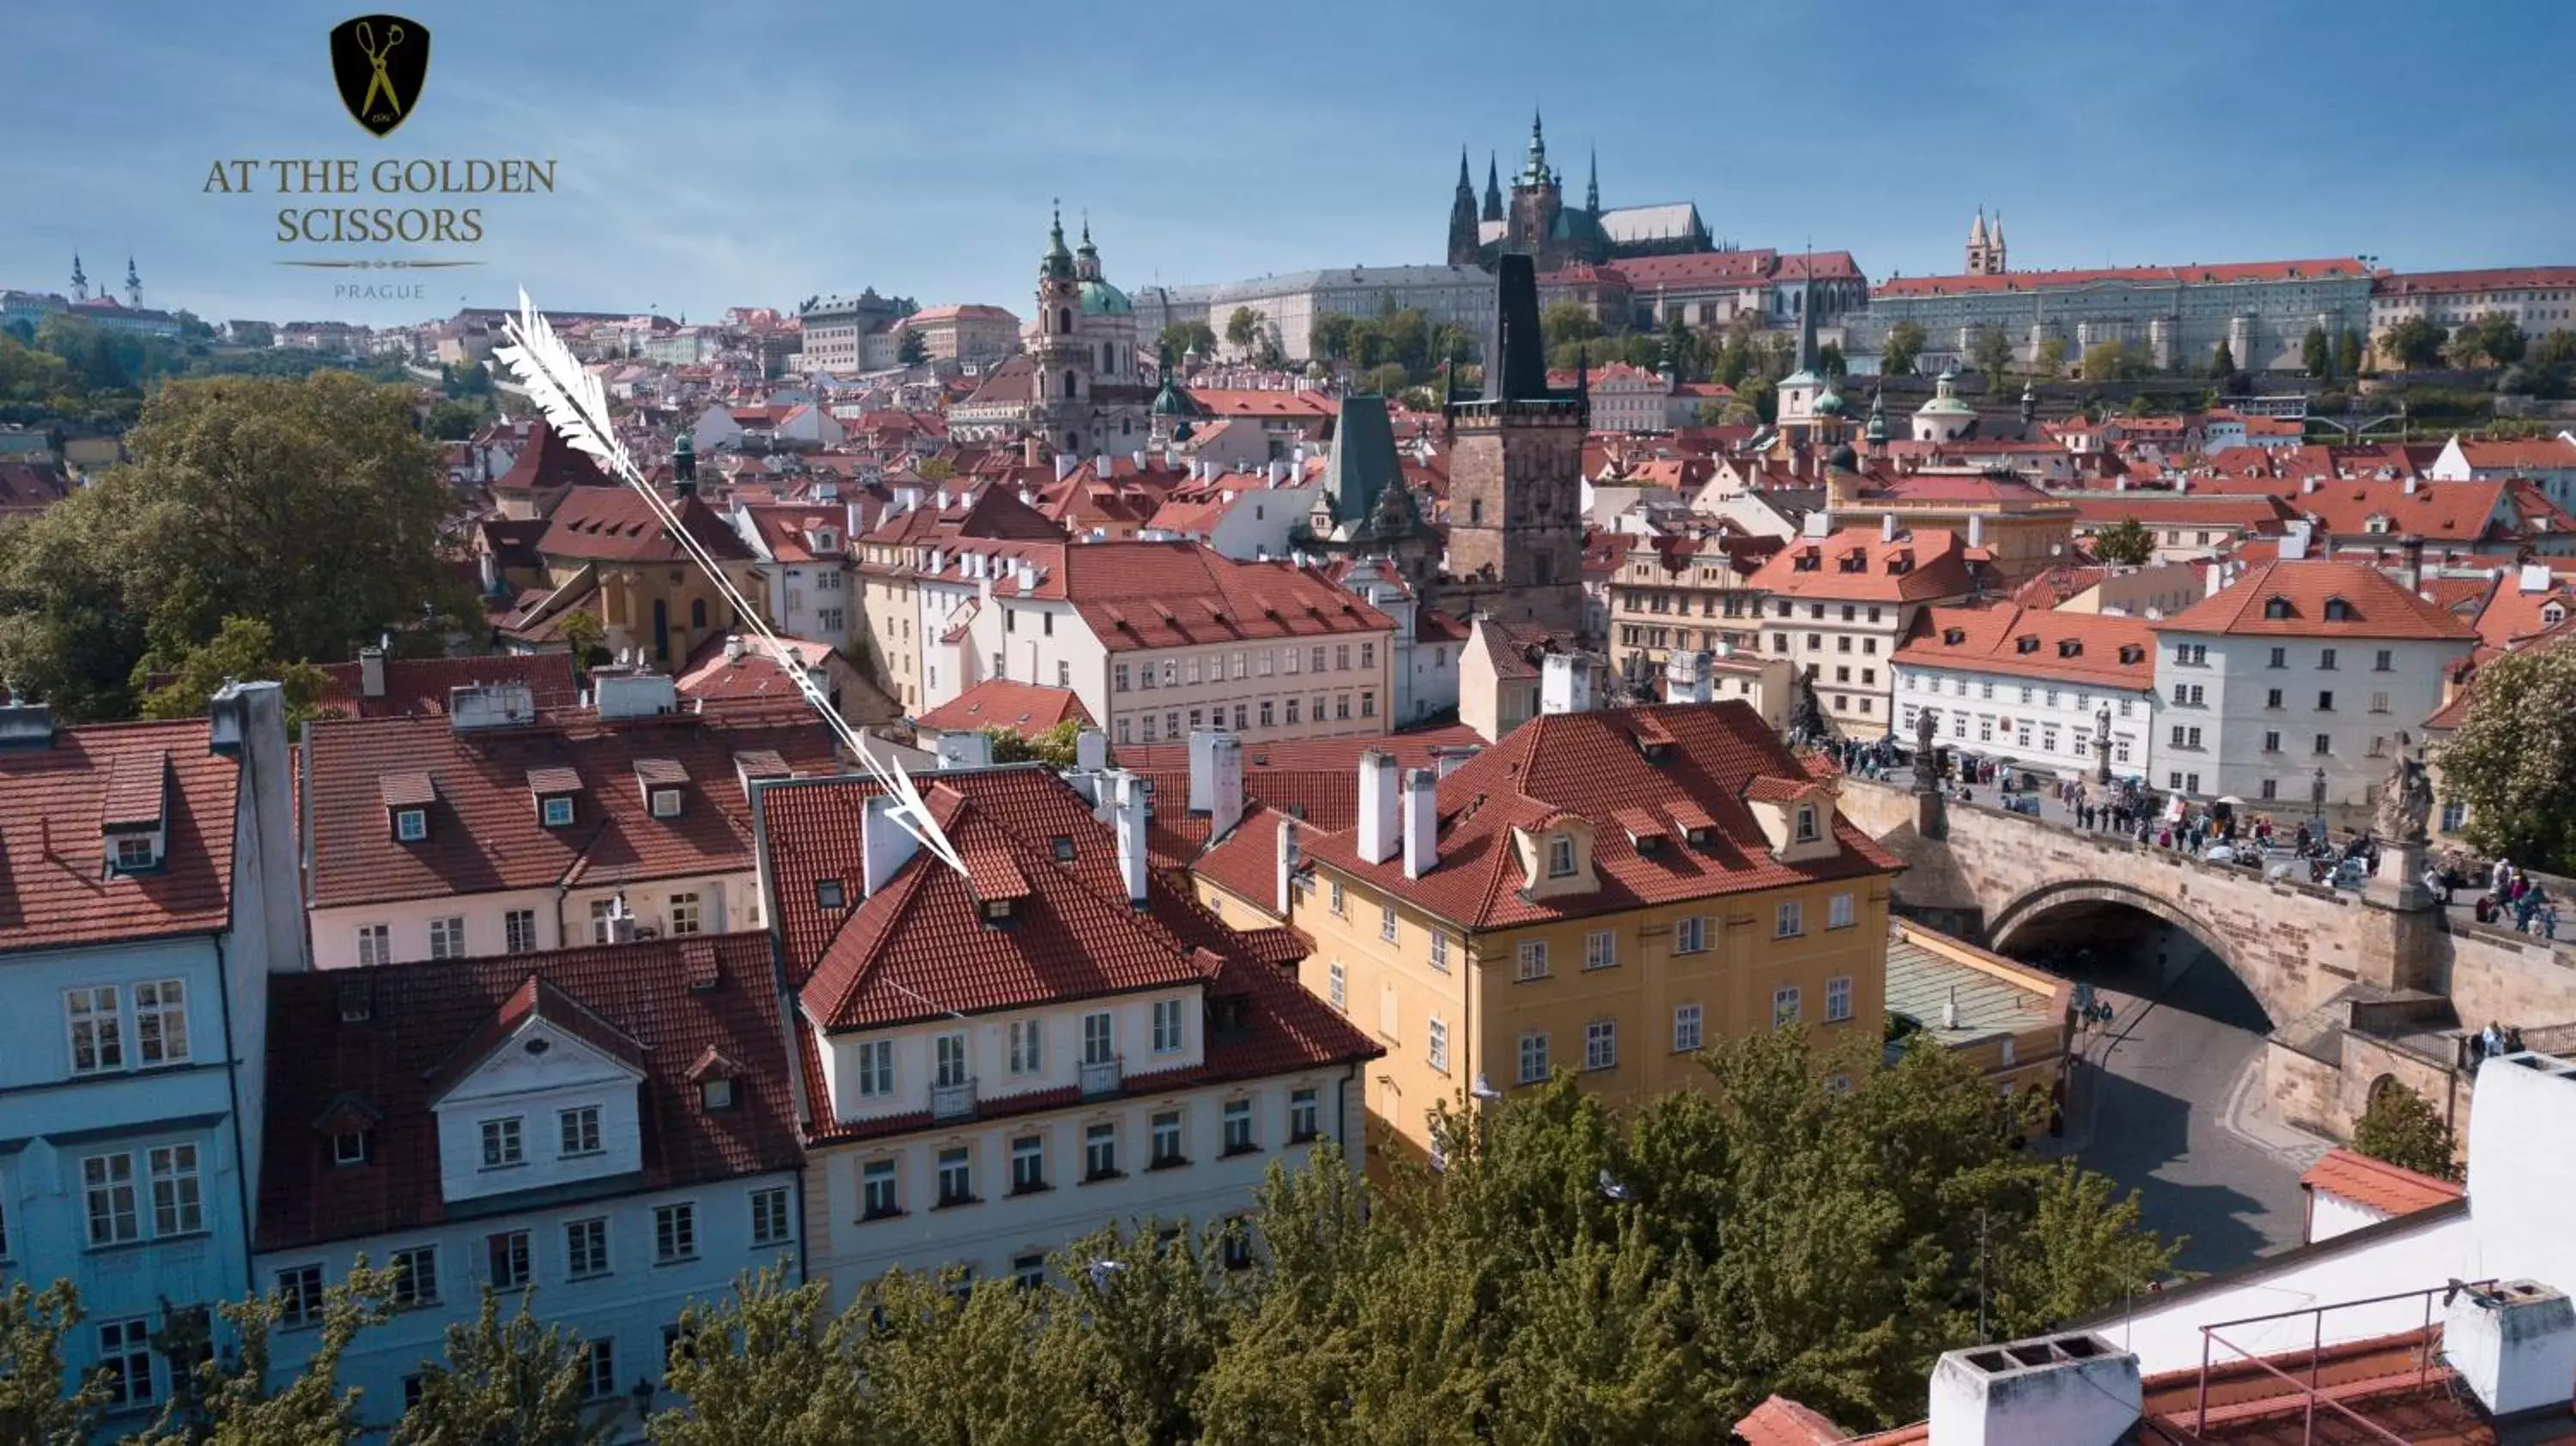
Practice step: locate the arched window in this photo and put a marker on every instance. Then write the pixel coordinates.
(1064, 320)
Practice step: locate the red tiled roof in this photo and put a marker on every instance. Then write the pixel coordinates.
(661, 1006)
(2527, 454)
(2227, 272)
(25, 488)
(2449, 283)
(2260, 514)
(2376, 1184)
(1024, 708)
(484, 831)
(1990, 641)
(1779, 1421)
(546, 461)
(2379, 608)
(1246, 861)
(1590, 764)
(614, 524)
(1138, 595)
(1920, 565)
(420, 685)
(53, 802)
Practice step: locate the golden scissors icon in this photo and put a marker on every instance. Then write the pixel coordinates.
(382, 80)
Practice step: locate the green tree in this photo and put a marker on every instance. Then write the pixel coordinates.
(2348, 354)
(1331, 337)
(2316, 352)
(1054, 747)
(1568, 321)
(941, 1362)
(1243, 328)
(2512, 762)
(913, 350)
(313, 505)
(2222, 362)
(34, 1407)
(233, 1402)
(1389, 378)
(1992, 354)
(765, 1367)
(2113, 360)
(2413, 344)
(32, 376)
(2125, 543)
(2402, 1128)
(2052, 357)
(242, 649)
(505, 1381)
(584, 636)
(2555, 350)
(453, 421)
(1829, 361)
(1184, 337)
(1904, 343)
(2491, 340)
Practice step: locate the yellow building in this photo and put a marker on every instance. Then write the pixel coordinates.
(605, 552)
(1601, 892)
(2022, 529)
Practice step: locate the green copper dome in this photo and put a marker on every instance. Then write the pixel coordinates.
(1099, 298)
(1844, 459)
(1831, 403)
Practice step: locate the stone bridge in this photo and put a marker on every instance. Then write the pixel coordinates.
(2009, 879)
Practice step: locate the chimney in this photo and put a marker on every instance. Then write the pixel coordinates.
(1225, 766)
(371, 672)
(2409, 486)
(885, 846)
(1063, 465)
(1887, 527)
(1028, 451)
(1287, 866)
(1686, 677)
(1028, 498)
(1203, 769)
(1377, 834)
(2514, 1345)
(1421, 810)
(965, 750)
(247, 722)
(2413, 573)
(1450, 760)
(1565, 684)
(941, 497)
(1976, 529)
(2069, 1390)
(2294, 541)
(1091, 750)
(1127, 821)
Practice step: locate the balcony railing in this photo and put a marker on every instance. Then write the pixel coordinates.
(1101, 1077)
(952, 1102)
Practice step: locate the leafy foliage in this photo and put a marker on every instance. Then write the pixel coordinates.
(1183, 337)
(232, 1401)
(1054, 747)
(2316, 353)
(2127, 543)
(585, 636)
(2348, 354)
(243, 649)
(2513, 760)
(34, 1408)
(2114, 361)
(1904, 343)
(2413, 344)
(2400, 1127)
(1243, 327)
(914, 349)
(1992, 354)
(2492, 340)
(2222, 362)
(513, 1380)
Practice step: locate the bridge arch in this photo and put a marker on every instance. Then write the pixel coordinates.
(2020, 921)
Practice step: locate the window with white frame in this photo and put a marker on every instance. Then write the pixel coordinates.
(1028, 1164)
(956, 1176)
(519, 930)
(1165, 1139)
(506, 1261)
(1028, 1046)
(1099, 1037)
(1690, 935)
(1601, 1044)
(1529, 960)
(1436, 1043)
(501, 1146)
(1838, 998)
(1340, 898)
(598, 1370)
(107, 1188)
(160, 1022)
(1304, 1115)
(299, 1296)
(375, 944)
(1337, 986)
(579, 1131)
(1386, 922)
(675, 1232)
(1440, 950)
(1685, 1028)
(1100, 1152)
(586, 1247)
(684, 915)
(447, 937)
(1600, 949)
(97, 1026)
(877, 1198)
(1237, 1123)
(1790, 921)
(125, 1361)
(873, 1063)
(1533, 1056)
(948, 1060)
(1560, 856)
(1839, 911)
(415, 1272)
(1167, 1026)
(1784, 1006)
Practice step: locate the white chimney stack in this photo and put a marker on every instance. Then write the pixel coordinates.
(1564, 685)
(1091, 750)
(2514, 1345)
(1287, 866)
(884, 845)
(1377, 836)
(1063, 465)
(1127, 821)
(1976, 529)
(1421, 822)
(1225, 784)
(1686, 677)
(1887, 527)
(2070, 1390)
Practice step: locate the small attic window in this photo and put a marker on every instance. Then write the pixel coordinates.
(2276, 607)
(2069, 647)
(2026, 643)
(1560, 856)
(995, 911)
(1953, 637)
(2337, 610)
(137, 853)
(349, 1147)
(1063, 846)
(827, 893)
(666, 803)
(2132, 653)
(1806, 823)
(1698, 837)
(716, 1092)
(411, 825)
(555, 812)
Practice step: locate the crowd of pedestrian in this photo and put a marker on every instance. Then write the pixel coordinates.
(2513, 894)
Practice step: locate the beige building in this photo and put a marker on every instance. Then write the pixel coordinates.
(973, 334)
(1835, 607)
(1685, 594)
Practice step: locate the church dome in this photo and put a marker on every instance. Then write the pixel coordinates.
(1831, 403)
(1945, 399)
(1099, 298)
(1844, 459)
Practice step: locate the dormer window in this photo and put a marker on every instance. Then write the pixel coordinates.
(1063, 846)
(411, 825)
(2132, 653)
(666, 803)
(1953, 637)
(1806, 823)
(716, 1093)
(2337, 610)
(2026, 643)
(660, 778)
(2068, 647)
(2276, 607)
(827, 893)
(135, 853)
(556, 812)
(349, 1147)
(996, 911)
(407, 798)
(1560, 856)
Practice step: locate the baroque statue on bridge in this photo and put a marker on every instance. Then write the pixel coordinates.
(2406, 801)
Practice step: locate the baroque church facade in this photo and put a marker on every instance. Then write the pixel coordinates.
(1087, 393)
(1536, 221)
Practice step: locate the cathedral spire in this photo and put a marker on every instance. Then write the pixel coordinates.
(1493, 189)
(1537, 172)
(80, 282)
(1466, 183)
(1592, 187)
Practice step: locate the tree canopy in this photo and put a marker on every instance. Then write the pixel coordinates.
(1243, 328)
(2413, 344)
(2402, 1128)
(2126, 543)
(1992, 354)
(2114, 361)
(311, 505)
(2492, 340)
(1184, 337)
(2512, 762)
(1904, 343)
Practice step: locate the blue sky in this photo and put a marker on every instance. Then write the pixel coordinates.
(751, 153)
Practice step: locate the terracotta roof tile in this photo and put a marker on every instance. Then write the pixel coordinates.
(1857, 564)
(2373, 605)
(2224, 272)
(661, 1006)
(1024, 708)
(2376, 1184)
(52, 801)
(1140, 595)
(614, 524)
(2097, 648)
(421, 685)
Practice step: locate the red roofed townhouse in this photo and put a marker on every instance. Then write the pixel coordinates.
(920, 536)
(2549, 461)
(151, 906)
(607, 552)
(1160, 638)
(2189, 526)
(2032, 687)
(1836, 606)
(2303, 675)
(1022, 709)
(1603, 893)
(804, 555)
(613, 1128)
(1005, 1057)
(376, 686)
(499, 828)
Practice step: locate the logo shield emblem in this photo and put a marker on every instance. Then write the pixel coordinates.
(380, 62)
